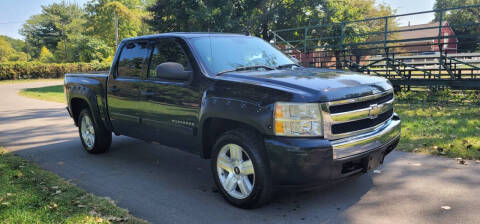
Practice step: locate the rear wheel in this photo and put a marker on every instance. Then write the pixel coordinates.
(240, 169)
(95, 138)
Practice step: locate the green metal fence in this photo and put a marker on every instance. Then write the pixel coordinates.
(433, 54)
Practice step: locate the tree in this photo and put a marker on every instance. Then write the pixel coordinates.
(102, 26)
(45, 55)
(6, 50)
(118, 9)
(52, 25)
(18, 45)
(464, 22)
(257, 17)
(86, 49)
(340, 15)
(373, 10)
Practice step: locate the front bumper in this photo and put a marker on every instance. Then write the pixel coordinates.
(312, 161)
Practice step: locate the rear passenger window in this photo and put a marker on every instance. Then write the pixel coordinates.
(168, 50)
(131, 61)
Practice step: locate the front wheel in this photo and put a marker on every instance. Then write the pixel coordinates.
(241, 170)
(95, 138)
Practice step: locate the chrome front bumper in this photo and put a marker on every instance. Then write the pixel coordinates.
(380, 136)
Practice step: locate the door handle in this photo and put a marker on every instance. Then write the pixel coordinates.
(147, 93)
(114, 89)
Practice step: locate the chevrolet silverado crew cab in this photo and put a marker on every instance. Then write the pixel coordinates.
(262, 119)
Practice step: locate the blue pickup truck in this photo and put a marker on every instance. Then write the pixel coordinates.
(263, 120)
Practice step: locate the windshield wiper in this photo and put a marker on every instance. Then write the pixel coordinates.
(245, 68)
(288, 65)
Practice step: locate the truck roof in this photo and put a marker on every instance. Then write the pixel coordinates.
(182, 35)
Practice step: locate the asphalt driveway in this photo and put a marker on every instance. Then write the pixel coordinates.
(164, 185)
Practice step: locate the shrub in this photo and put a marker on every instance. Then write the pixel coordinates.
(34, 70)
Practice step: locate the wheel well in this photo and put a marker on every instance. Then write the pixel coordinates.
(214, 128)
(77, 105)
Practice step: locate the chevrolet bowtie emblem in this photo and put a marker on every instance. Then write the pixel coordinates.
(374, 110)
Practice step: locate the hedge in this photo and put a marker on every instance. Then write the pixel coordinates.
(34, 70)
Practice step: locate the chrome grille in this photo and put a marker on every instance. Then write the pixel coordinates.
(356, 116)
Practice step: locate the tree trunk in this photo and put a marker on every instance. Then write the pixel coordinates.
(116, 29)
(265, 33)
(338, 63)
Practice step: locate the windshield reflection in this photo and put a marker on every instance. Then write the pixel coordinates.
(225, 53)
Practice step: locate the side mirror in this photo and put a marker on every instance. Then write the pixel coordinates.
(172, 71)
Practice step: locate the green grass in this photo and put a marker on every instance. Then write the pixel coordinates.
(48, 93)
(452, 130)
(29, 194)
(5, 82)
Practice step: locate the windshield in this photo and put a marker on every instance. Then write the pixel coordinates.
(223, 53)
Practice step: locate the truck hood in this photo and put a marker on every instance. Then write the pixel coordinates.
(314, 84)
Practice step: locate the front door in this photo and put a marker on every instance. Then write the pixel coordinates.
(170, 107)
(123, 88)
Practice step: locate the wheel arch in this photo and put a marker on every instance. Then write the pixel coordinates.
(82, 97)
(219, 115)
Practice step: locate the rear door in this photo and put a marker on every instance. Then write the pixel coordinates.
(123, 90)
(171, 107)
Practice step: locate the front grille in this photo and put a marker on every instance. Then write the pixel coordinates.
(361, 124)
(346, 118)
(359, 105)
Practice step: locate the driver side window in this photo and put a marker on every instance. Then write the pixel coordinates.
(167, 51)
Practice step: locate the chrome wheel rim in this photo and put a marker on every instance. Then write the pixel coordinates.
(235, 171)
(88, 133)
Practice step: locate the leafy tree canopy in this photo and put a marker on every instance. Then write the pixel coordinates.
(45, 55)
(54, 24)
(463, 21)
(100, 14)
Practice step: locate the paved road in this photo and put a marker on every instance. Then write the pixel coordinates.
(164, 185)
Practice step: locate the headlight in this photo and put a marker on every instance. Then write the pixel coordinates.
(298, 119)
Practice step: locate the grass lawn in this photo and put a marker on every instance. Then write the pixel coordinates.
(29, 194)
(451, 130)
(27, 81)
(49, 93)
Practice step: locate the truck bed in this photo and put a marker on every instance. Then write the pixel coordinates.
(89, 86)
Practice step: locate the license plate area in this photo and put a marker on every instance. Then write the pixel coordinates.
(363, 164)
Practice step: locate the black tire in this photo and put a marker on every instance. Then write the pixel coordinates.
(103, 137)
(253, 145)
